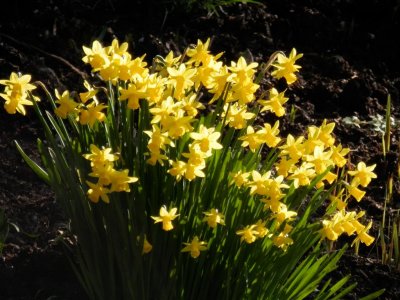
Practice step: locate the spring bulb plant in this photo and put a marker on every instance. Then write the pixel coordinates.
(177, 188)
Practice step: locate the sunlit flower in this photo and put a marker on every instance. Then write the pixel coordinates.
(269, 135)
(95, 56)
(66, 106)
(120, 181)
(251, 139)
(243, 92)
(100, 156)
(363, 173)
(92, 113)
(274, 103)
(355, 191)
(237, 115)
(97, 191)
(166, 217)
(177, 169)
(259, 183)
(180, 79)
(325, 133)
(285, 165)
(240, 178)
(284, 214)
(206, 138)
(218, 82)
(286, 67)
(195, 155)
(364, 237)
(283, 240)
(248, 234)
(338, 155)
(193, 171)
(190, 105)
(16, 93)
(133, 93)
(91, 92)
(242, 70)
(293, 147)
(200, 53)
(302, 175)
(320, 159)
(262, 231)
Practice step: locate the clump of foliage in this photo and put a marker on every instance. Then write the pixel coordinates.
(176, 188)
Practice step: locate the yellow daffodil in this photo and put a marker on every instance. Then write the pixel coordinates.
(91, 92)
(206, 138)
(192, 171)
(67, 105)
(237, 116)
(120, 180)
(243, 92)
(260, 183)
(97, 191)
(177, 169)
(133, 94)
(213, 217)
(239, 178)
(284, 214)
(248, 234)
(251, 139)
(325, 133)
(100, 156)
(262, 231)
(363, 173)
(354, 190)
(218, 82)
(194, 247)
(293, 147)
(319, 159)
(285, 166)
(269, 135)
(195, 155)
(302, 175)
(243, 71)
(286, 67)
(95, 56)
(364, 237)
(16, 93)
(274, 103)
(92, 113)
(181, 79)
(147, 247)
(283, 240)
(200, 53)
(166, 217)
(190, 105)
(338, 155)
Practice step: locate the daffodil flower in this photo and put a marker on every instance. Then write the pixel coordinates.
(194, 247)
(166, 217)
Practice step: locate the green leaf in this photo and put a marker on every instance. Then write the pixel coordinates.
(373, 295)
(33, 165)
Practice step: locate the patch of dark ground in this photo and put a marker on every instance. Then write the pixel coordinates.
(350, 64)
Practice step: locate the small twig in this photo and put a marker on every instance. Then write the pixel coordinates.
(56, 57)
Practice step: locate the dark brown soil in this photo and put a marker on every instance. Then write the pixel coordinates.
(350, 65)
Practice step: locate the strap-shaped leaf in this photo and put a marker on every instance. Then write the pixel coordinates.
(33, 165)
